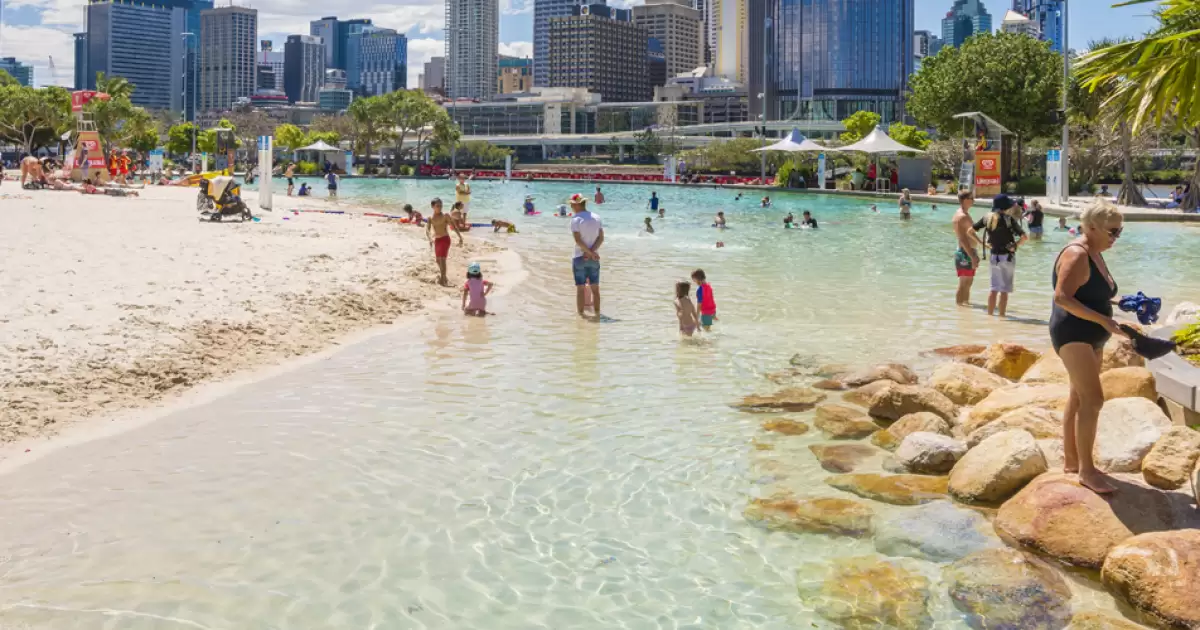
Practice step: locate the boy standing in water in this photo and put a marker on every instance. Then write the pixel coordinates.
(685, 310)
(704, 297)
(437, 230)
(966, 257)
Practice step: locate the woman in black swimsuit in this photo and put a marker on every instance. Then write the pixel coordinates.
(1081, 323)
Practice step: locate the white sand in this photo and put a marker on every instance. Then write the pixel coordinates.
(111, 303)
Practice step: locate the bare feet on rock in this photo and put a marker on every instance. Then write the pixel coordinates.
(1097, 482)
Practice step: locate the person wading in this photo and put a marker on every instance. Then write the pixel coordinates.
(437, 230)
(1003, 235)
(585, 265)
(966, 258)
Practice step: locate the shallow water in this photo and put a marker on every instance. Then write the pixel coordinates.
(529, 470)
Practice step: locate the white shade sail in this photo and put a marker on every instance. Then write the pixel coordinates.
(795, 142)
(319, 145)
(879, 142)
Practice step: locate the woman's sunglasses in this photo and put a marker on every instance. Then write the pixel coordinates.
(1115, 233)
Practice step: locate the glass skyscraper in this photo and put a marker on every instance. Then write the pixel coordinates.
(1047, 15)
(376, 61)
(142, 43)
(965, 18)
(543, 12)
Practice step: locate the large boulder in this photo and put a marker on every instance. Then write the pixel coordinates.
(965, 384)
(1092, 620)
(788, 399)
(1128, 429)
(891, 437)
(1172, 458)
(1158, 574)
(1129, 382)
(844, 423)
(842, 458)
(1006, 589)
(996, 468)
(1048, 369)
(785, 426)
(867, 592)
(897, 401)
(834, 516)
(960, 351)
(862, 396)
(1119, 353)
(939, 532)
(894, 489)
(1039, 422)
(929, 453)
(1009, 360)
(1051, 397)
(895, 372)
(1057, 517)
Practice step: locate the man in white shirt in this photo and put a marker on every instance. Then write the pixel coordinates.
(589, 236)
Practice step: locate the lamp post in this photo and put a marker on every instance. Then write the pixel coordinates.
(183, 38)
(762, 104)
(1065, 168)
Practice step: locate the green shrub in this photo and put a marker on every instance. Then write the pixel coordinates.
(1188, 339)
(307, 168)
(783, 174)
(1031, 185)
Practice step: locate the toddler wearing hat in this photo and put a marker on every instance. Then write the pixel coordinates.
(475, 291)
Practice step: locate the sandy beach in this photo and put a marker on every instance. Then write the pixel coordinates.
(114, 303)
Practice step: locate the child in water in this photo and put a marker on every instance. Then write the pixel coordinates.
(685, 310)
(474, 292)
(704, 297)
(528, 206)
(649, 227)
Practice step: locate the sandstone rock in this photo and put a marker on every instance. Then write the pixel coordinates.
(866, 592)
(938, 532)
(1048, 369)
(965, 384)
(1129, 382)
(996, 468)
(894, 489)
(829, 384)
(1128, 429)
(1009, 360)
(1052, 450)
(842, 517)
(1099, 621)
(978, 360)
(1039, 422)
(1056, 516)
(862, 395)
(1118, 353)
(789, 399)
(1172, 458)
(1159, 574)
(842, 458)
(1183, 313)
(1004, 588)
(896, 372)
(785, 426)
(891, 437)
(960, 351)
(897, 401)
(930, 453)
(1013, 397)
(844, 423)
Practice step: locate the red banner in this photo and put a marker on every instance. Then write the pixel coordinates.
(987, 174)
(82, 97)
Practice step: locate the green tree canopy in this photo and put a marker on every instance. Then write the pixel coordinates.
(32, 117)
(412, 114)
(859, 125)
(289, 137)
(179, 138)
(328, 137)
(371, 118)
(909, 135)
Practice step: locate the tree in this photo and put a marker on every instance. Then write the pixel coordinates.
(29, 117)
(340, 125)
(859, 125)
(947, 155)
(114, 86)
(909, 135)
(289, 137)
(7, 79)
(328, 137)
(411, 113)
(249, 125)
(179, 138)
(371, 117)
(734, 154)
(140, 131)
(647, 145)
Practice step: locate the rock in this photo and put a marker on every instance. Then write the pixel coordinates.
(1040, 423)
(1129, 382)
(930, 453)
(1172, 458)
(895, 372)
(1013, 397)
(1128, 429)
(1118, 353)
(1056, 516)
(965, 384)
(844, 423)
(996, 468)
(789, 399)
(866, 592)
(1158, 574)
(897, 401)
(891, 437)
(894, 489)
(1052, 450)
(960, 351)
(1006, 589)
(842, 458)
(1099, 621)
(1048, 369)
(1183, 313)
(1009, 360)
(829, 384)
(978, 360)
(939, 532)
(841, 517)
(785, 426)
(862, 395)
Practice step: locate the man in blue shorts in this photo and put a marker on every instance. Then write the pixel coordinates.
(585, 265)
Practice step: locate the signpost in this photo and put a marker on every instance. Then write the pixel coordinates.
(265, 152)
(821, 171)
(156, 161)
(1053, 174)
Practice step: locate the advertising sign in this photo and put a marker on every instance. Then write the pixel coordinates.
(156, 161)
(88, 158)
(821, 172)
(987, 174)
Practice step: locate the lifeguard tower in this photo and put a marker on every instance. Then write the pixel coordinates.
(87, 160)
(983, 149)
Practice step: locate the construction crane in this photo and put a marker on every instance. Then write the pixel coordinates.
(53, 71)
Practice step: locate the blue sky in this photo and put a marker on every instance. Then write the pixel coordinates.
(35, 30)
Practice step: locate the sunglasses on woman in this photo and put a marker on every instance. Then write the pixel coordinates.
(1115, 233)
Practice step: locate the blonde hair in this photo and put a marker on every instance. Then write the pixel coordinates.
(1100, 214)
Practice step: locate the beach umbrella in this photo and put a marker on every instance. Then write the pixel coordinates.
(794, 142)
(878, 142)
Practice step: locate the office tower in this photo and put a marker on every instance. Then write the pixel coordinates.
(435, 75)
(965, 18)
(335, 78)
(81, 67)
(1014, 22)
(543, 12)
(925, 44)
(835, 57)
(759, 55)
(264, 78)
(334, 99)
(335, 36)
(268, 56)
(227, 64)
(141, 42)
(708, 33)
(303, 68)
(730, 30)
(656, 64)
(602, 50)
(516, 75)
(678, 28)
(23, 73)
(1046, 16)
(191, 44)
(376, 61)
(472, 44)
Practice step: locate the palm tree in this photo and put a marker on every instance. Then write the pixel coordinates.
(1153, 79)
(1097, 107)
(371, 117)
(114, 86)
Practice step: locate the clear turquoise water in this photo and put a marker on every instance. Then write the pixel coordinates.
(529, 470)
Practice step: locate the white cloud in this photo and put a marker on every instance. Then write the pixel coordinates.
(419, 51)
(35, 45)
(517, 49)
(516, 7)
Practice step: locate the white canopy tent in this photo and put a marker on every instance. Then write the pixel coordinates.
(878, 142)
(794, 142)
(322, 148)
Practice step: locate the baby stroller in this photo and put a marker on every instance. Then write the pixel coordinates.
(219, 198)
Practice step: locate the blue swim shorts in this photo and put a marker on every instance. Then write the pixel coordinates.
(587, 271)
(706, 320)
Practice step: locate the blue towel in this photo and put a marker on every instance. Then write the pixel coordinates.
(1146, 307)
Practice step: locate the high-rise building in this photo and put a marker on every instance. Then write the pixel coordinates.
(264, 78)
(267, 55)
(708, 33)
(81, 67)
(965, 18)
(599, 48)
(1014, 22)
(472, 45)
(543, 12)
(678, 28)
(141, 42)
(836, 57)
(191, 45)
(759, 55)
(334, 99)
(516, 75)
(925, 44)
(23, 73)
(1046, 16)
(656, 64)
(227, 63)
(303, 68)
(376, 61)
(335, 78)
(335, 35)
(730, 31)
(435, 76)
